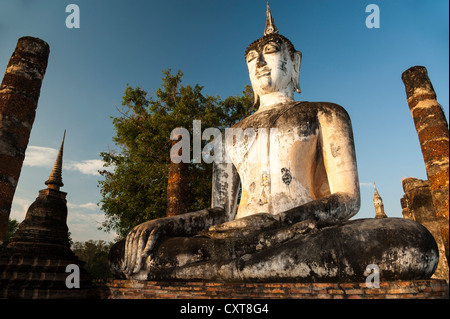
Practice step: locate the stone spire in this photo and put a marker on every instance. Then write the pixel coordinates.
(34, 263)
(43, 232)
(378, 203)
(270, 24)
(55, 179)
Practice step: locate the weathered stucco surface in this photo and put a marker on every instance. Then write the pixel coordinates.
(432, 130)
(19, 94)
(296, 165)
(401, 248)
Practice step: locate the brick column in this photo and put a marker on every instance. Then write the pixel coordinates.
(417, 205)
(19, 94)
(177, 187)
(433, 133)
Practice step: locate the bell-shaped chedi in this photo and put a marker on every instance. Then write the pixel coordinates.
(378, 203)
(44, 231)
(34, 264)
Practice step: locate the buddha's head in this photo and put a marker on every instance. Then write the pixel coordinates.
(273, 63)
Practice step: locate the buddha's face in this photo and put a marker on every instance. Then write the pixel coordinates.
(271, 68)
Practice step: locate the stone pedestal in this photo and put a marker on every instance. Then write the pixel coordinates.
(129, 289)
(41, 278)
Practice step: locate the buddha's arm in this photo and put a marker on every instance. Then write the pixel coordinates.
(142, 239)
(337, 146)
(225, 188)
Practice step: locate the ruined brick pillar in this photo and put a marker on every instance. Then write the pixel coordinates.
(433, 133)
(19, 94)
(177, 187)
(417, 205)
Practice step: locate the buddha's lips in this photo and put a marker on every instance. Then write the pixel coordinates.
(263, 72)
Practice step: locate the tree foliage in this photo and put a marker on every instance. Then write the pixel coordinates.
(135, 191)
(95, 254)
(13, 225)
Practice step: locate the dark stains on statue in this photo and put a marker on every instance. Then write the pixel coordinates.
(286, 175)
(302, 115)
(335, 150)
(328, 253)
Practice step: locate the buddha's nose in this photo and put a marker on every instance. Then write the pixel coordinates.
(261, 61)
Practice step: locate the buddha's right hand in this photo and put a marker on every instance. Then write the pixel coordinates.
(140, 243)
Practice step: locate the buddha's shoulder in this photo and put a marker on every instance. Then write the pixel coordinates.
(319, 107)
(293, 112)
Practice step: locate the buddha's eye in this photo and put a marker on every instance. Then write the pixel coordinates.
(251, 56)
(271, 47)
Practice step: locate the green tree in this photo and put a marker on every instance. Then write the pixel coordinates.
(136, 190)
(13, 225)
(95, 254)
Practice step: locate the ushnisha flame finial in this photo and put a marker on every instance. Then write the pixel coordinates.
(270, 33)
(55, 179)
(270, 25)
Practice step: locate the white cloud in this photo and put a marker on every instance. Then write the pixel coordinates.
(88, 206)
(366, 184)
(83, 221)
(88, 167)
(19, 208)
(38, 156)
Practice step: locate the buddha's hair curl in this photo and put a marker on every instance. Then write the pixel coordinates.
(259, 43)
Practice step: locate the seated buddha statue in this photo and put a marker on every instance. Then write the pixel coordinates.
(297, 173)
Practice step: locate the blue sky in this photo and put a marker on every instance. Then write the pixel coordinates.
(122, 42)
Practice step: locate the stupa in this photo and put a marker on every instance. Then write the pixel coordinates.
(378, 203)
(34, 263)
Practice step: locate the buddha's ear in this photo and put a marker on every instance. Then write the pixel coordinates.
(296, 72)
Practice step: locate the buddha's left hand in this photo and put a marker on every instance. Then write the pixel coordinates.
(254, 222)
